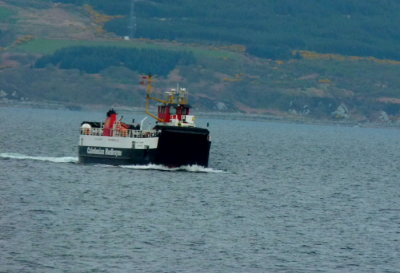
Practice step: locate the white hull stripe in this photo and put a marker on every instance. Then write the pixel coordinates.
(118, 142)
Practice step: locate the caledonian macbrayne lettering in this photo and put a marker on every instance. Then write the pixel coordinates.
(101, 151)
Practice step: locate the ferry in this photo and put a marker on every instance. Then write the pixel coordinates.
(174, 140)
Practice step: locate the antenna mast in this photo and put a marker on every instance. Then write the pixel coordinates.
(132, 21)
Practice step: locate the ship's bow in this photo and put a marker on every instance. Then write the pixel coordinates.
(179, 146)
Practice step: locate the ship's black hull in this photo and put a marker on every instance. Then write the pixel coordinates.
(177, 146)
(180, 146)
(127, 157)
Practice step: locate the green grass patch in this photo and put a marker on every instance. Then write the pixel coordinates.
(5, 14)
(49, 46)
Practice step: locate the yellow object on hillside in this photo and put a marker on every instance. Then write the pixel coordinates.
(327, 56)
(24, 39)
(99, 19)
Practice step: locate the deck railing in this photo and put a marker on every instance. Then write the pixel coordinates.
(120, 133)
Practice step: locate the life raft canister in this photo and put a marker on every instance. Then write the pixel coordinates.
(86, 129)
(122, 129)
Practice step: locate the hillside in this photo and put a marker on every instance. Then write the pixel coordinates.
(262, 58)
(268, 29)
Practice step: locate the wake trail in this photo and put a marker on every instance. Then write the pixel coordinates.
(63, 159)
(191, 168)
(71, 159)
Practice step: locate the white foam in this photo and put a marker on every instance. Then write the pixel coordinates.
(191, 168)
(70, 159)
(65, 159)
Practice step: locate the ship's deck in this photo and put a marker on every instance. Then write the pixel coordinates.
(126, 133)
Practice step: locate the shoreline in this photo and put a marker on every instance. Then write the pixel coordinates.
(203, 114)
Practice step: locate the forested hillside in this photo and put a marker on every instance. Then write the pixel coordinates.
(269, 29)
(315, 59)
(95, 59)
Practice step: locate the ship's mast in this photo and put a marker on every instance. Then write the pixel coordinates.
(149, 90)
(176, 98)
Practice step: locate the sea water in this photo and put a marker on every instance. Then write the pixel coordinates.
(276, 197)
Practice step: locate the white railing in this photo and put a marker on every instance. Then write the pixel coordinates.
(120, 133)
